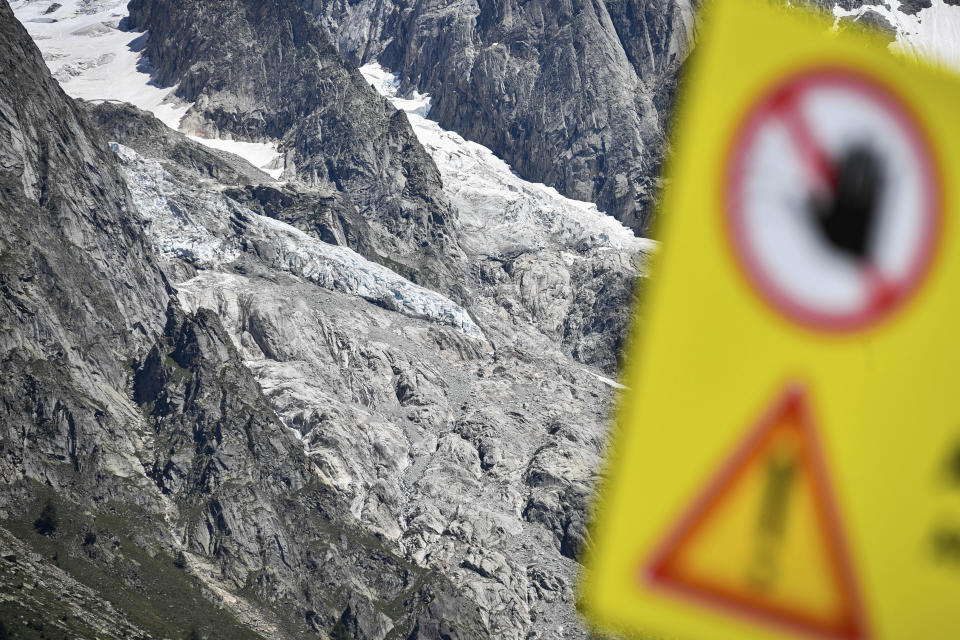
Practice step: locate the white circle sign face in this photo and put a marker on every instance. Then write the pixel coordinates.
(832, 199)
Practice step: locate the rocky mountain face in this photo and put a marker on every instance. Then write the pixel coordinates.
(231, 410)
(83, 294)
(572, 94)
(262, 71)
(365, 400)
(176, 498)
(465, 443)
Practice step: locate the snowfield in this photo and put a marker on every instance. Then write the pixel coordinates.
(933, 34)
(93, 58)
(498, 209)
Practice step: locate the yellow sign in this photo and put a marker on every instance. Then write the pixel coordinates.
(787, 459)
(773, 495)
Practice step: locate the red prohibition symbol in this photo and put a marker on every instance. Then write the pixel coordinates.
(833, 199)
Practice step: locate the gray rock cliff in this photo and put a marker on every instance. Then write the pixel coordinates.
(573, 94)
(262, 70)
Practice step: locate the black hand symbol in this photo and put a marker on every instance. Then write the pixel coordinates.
(847, 215)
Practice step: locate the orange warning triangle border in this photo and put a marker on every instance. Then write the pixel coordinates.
(655, 573)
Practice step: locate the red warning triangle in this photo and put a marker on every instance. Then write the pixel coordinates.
(763, 540)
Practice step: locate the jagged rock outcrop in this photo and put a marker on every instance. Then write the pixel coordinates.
(153, 139)
(82, 294)
(255, 511)
(577, 95)
(262, 70)
(656, 36)
(573, 94)
(326, 213)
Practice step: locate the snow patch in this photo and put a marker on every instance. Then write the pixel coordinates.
(605, 380)
(263, 155)
(94, 59)
(342, 269)
(388, 84)
(176, 232)
(931, 35)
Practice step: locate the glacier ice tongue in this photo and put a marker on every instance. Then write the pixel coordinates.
(204, 237)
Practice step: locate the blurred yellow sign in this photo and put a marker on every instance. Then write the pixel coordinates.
(787, 457)
(770, 514)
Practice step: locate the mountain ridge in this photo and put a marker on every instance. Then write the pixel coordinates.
(313, 444)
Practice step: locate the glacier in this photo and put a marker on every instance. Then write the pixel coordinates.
(199, 236)
(499, 209)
